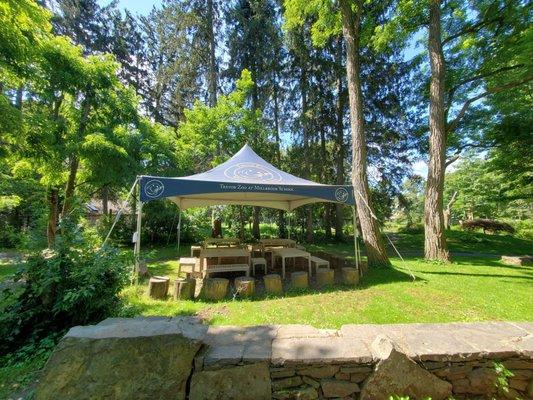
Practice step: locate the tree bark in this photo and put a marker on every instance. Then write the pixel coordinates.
(375, 249)
(53, 214)
(435, 240)
(74, 161)
(105, 201)
(339, 144)
(212, 71)
(327, 208)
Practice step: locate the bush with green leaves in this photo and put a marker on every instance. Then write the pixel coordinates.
(76, 283)
(487, 225)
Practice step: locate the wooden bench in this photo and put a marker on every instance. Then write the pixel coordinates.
(195, 251)
(318, 262)
(189, 265)
(258, 261)
(226, 268)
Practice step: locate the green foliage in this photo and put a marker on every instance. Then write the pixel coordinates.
(488, 225)
(221, 130)
(502, 376)
(74, 284)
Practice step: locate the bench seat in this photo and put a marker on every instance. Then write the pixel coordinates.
(318, 262)
(226, 268)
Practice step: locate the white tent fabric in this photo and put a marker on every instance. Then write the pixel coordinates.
(245, 179)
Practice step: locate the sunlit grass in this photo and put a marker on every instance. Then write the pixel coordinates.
(470, 289)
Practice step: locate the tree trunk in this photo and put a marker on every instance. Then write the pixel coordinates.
(327, 208)
(212, 71)
(74, 161)
(435, 241)
(241, 223)
(448, 211)
(105, 201)
(53, 214)
(375, 249)
(339, 144)
(256, 231)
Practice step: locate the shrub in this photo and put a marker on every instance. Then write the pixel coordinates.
(69, 285)
(412, 229)
(487, 225)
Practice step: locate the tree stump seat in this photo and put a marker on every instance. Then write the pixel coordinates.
(350, 276)
(299, 280)
(215, 289)
(184, 289)
(273, 284)
(325, 276)
(245, 286)
(158, 287)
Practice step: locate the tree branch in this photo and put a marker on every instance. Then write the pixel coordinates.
(484, 75)
(470, 29)
(453, 124)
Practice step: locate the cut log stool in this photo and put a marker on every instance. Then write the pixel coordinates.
(325, 276)
(184, 289)
(350, 276)
(158, 287)
(299, 280)
(273, 284)
(215, 289)
(245, 286)
(258, 261)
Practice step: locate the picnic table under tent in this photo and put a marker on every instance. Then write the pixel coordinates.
(244, 179)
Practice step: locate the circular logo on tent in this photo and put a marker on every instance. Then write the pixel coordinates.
(341, 194)
(154, 188)
(252, 172)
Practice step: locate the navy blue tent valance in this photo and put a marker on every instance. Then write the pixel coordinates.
(244, 179)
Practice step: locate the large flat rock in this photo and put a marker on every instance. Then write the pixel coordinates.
(123, 359)
(453, 341)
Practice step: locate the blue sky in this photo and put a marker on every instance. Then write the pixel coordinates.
(142, 7)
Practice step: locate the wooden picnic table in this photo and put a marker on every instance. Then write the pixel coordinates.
(289, 252)
(221, 242)
(275, 242)
(218, 253)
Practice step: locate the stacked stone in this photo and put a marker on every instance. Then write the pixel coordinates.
(478, 377)
(318, 381)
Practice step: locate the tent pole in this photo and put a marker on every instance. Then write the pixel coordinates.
(179, 231)
(355, 235)
(137, 248)
(289, 231)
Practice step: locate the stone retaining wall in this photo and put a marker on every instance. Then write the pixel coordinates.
(190, 360)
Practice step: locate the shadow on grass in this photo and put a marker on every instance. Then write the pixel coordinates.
(523, 276)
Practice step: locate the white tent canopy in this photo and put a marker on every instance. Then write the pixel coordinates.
(245, 179)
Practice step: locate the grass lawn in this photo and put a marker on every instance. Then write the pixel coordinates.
(472, 288)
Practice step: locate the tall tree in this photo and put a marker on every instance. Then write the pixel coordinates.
(462, 72)
(254, 41)
(435, 242)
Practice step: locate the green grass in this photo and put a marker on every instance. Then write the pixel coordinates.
(471, 288)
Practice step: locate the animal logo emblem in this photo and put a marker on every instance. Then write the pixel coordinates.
(341, 195)
(154, 188)
(252, 172)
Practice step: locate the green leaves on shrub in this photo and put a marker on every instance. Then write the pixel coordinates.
(61, 288)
